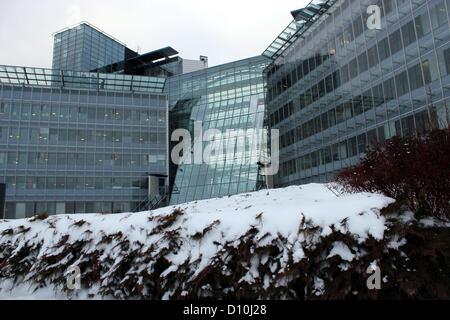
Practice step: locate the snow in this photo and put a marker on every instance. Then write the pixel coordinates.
(203, 228)
(396, 243)
(342, 250)
(319, 286)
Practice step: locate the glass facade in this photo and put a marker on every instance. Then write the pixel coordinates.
(226, 97)
(74, 141)
(85, 48)
(75, 149)
(340, 87)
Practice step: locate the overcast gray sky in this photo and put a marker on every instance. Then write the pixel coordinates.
(222, 30)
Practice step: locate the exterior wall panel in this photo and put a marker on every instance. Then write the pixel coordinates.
(341, 87)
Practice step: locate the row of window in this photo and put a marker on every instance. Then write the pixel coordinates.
(79, 45)
(74, 183)
(429, 68)
(414, 124)
(94, 98)
(97, 48)
(29, 209)
(333, 81)
(370, 99)
(54, 136)
(77, 160)
(68, 60)
(54, 112)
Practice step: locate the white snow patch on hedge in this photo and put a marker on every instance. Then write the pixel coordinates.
(275, 213)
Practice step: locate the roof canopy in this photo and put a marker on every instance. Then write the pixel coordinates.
(79, 80)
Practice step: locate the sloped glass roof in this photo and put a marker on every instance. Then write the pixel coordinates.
(303, 19)
(80, 80)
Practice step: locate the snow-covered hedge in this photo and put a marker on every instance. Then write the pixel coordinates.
(300, 242)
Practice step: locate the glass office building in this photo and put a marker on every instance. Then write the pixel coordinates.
(73, 142)
(335, 86)
(227, 97)
(333, 83)
(85, 48)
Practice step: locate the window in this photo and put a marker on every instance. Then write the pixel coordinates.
(23, 136)
(305, 67)
(348, 35)
(378, 96)
(422, 122)
(3, 134)
(367, 100)
(331, 118)
(357, 105)
(45, 112)
(388, 6)
(324, 118)
(294, 76)
(329, 83)
(373, 56)
(415, 77)
(300, 71)
(430, 68)
(362, 143)
(389, 89)
(353, 66)
(447, 59)
(315, 92)
(422, 23)
(362, 60)
(344, 74)
(53, 135)
(352, 147)
(395, 41)
(348, 110)
(409, 36)
(15, 110)
(62, 159)
(340, 114)
(372, 138)
(383, 48)
(322, 88)
(26, 111)
(54, 112)
(343, 150)
(408, 126)
(336, 80)
(401, 80)
(4, 107)
(358, 26)
(438, 15)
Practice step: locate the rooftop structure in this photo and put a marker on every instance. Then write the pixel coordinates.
(81, 80)
(303, 19)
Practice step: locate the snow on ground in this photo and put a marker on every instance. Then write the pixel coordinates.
(204, 226)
